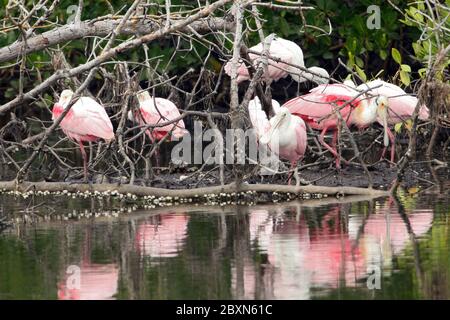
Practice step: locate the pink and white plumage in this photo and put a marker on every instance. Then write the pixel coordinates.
(287, 138)
(317, 109)
(86, 120)
(289, 53)
(401, 104)
(164, 111)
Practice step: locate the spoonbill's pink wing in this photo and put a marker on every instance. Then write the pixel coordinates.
(302, 140)
(314, 107)
(164, 111)
(88, 118)
(169, 111)
(335, 89)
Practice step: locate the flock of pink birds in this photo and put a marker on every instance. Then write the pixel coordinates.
(360, 106)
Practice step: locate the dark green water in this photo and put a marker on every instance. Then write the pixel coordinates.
(311, 250)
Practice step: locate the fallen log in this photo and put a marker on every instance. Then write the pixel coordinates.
(187, 193)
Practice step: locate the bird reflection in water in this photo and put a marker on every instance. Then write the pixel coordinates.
(328, 251)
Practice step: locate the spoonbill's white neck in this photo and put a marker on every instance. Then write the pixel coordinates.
(280, 123)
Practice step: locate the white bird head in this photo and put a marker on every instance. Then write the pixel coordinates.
(65, 97)
(143, 96)
(382, 105)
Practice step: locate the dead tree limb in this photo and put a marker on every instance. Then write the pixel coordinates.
(103, 28)
(111, 53)
(186, 193)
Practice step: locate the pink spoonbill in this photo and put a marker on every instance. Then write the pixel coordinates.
(287, 60)
(86, 120)
(287, 138)
(318, 109)
(154, 111)
(401, 105)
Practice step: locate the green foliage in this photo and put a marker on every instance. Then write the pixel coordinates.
(334, 29)
(363, 49)
(404, 70)
(435, 35)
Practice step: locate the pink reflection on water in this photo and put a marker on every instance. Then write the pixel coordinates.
(334, 252)
(94, 281)
(331, 258)
(385, 233)
(162, 237)
(97, 282)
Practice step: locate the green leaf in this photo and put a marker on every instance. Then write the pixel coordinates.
(361, 73)
(359, 62)
(417, 48)
(351, 60)
(405, 67)
(404, 77)
(422, 72)
(383, 54)
(396, 55)
(398, 127)
(415, 14)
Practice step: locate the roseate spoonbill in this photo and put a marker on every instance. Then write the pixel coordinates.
(317, 109)
(287, 138)
(289, 54)
(401, 106)
(164, 111)
(87, 120)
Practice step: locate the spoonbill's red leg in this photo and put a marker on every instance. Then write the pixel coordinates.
(392, 139)
(328, 147)
(83, 153)
(392, 142)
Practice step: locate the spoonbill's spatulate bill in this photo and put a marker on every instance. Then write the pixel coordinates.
(318, 108)
(150, 114)
(287, 55)
(86, 120)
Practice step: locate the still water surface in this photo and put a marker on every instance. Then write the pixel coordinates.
(323, 249)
